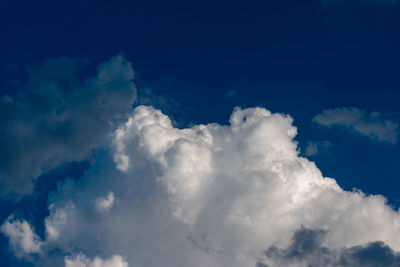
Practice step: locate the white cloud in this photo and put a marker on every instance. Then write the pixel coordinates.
(371, 124)
(21, 237)
(210, 195)
(60, 117)
(81, 260)
(103, 204)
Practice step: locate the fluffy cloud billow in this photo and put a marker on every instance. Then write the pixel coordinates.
(210, 195)
(60, 116)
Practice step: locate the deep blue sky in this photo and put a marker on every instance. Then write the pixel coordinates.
(295, 57)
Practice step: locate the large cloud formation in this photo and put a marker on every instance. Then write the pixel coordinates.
(210, 195)
(59, 117)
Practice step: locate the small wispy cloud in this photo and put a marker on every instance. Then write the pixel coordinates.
(316, 147)
(231, 93)
(103, 204)
(372, 125)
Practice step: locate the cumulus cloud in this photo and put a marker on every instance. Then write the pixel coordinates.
(307, 249)
(23, 239)
(178, 114)
(210, 195)
(60, 116)
(372, 125)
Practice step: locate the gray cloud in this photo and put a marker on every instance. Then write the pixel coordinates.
(307, 249)
(372, 125)
(60, 116)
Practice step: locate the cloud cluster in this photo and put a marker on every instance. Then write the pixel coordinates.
(23, 239)
(210, 195)
(60, 116)
(306, 249)
(372, 125)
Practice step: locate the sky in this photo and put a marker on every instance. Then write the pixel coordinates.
(192, 133)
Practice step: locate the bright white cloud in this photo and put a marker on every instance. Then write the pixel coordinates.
(209, 195)
(23, 239)
(371, 124)
(60, 117)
